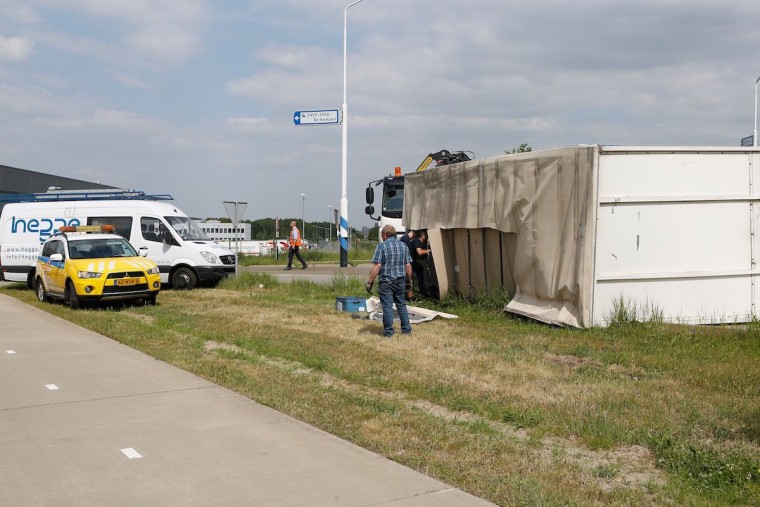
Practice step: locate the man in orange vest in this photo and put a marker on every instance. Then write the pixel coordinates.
(295, 244)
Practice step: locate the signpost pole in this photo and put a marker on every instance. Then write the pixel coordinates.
(344, 151)
(235, 210)
(754, 132)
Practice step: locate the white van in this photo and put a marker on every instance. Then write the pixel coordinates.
(185, 256)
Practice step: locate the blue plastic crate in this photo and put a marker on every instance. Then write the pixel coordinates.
(350, 304)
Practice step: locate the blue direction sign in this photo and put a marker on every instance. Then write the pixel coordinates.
(321, 117)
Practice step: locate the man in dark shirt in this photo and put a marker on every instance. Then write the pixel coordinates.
(419, 249)
(407, 239)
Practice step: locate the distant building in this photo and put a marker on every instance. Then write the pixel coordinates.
(223, 231)
(22, 181)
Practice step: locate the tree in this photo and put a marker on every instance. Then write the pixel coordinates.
(524, 148)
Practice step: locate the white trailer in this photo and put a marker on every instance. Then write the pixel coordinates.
(572, 233)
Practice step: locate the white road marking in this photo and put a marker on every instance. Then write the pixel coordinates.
(131, 453)
(52, 387)
(10, 351)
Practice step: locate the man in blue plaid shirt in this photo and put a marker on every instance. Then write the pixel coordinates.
(393, 265)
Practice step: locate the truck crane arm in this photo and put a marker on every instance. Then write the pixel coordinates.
(443, 157)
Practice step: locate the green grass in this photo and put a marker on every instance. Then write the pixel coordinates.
(640, 413)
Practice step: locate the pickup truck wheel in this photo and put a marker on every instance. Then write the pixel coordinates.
(71, 296)
(151, 300)
(41, 294)
(184, 279)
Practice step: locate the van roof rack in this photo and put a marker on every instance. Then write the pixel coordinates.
(85, 195)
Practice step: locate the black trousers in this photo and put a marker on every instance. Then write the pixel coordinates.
(419, 274)
(294, 251)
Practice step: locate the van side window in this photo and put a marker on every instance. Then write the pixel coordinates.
(123, 225)
(154, 229)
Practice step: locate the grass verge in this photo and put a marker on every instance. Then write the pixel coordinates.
(509, 410)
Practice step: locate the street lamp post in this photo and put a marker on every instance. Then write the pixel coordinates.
(329, 225)
(344, 152)
(303, 215)
(754, 132)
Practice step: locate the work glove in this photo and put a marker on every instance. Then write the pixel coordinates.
(369, 287)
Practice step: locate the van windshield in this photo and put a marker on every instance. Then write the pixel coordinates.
(187, 229)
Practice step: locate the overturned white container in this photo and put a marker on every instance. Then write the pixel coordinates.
(570, 233)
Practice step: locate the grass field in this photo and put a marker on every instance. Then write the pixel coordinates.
(509, 410)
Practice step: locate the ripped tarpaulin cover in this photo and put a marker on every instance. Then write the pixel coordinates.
(545, 198)
(417, 315)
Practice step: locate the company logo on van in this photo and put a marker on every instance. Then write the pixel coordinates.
(42, 226)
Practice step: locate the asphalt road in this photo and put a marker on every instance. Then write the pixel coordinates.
(320, 273)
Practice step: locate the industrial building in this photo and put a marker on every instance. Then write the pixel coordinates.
(224, 231)
(22, 181)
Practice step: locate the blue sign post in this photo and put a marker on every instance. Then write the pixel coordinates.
(321, 117)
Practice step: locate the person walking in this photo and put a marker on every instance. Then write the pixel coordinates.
(295, 244)
(393, 268)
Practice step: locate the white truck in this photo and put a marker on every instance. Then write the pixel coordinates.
(185, 255)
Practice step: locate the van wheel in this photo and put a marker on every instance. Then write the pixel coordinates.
(184, 279)
(41, 294)
(30, 279)
(71, 297)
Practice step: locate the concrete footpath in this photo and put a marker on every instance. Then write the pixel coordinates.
(87, 421)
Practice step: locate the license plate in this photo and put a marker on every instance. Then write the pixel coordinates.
(121, 282)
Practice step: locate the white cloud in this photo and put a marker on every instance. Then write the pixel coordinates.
(19, 12)
(15, 49)
(104, 120)
(301, 58)
(250, 124)
(128, 79)
(148, 33)
(291, 75)
(26, 102)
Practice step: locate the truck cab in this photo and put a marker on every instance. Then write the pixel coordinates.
(391, 202)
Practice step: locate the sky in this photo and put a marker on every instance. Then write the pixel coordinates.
(195, 98)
